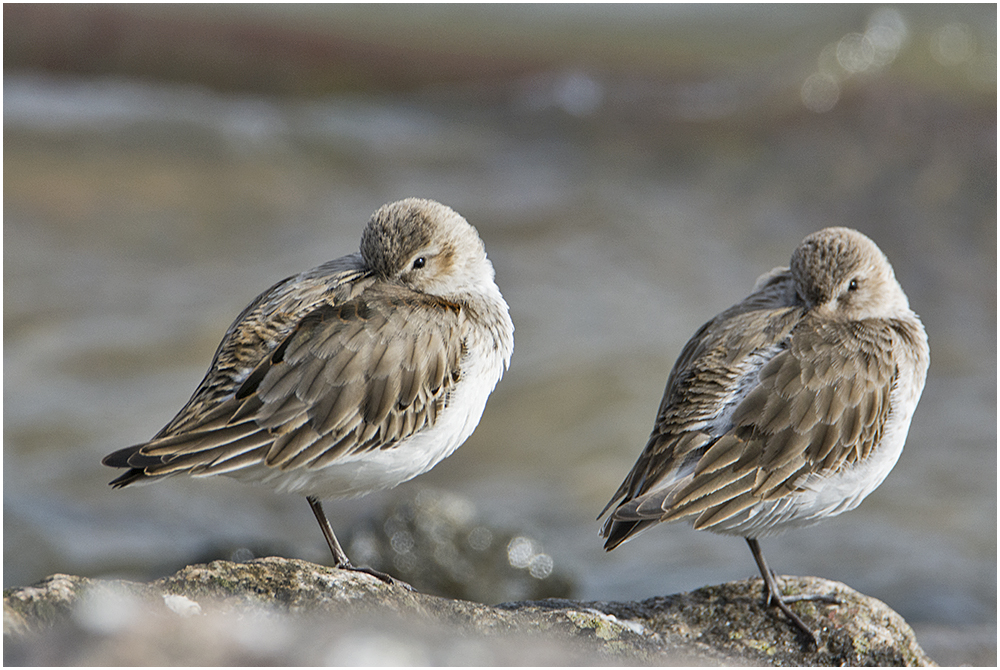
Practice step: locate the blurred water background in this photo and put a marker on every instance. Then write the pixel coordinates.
(632, 170)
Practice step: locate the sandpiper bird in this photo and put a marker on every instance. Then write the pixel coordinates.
(787, 408)
(351, 377)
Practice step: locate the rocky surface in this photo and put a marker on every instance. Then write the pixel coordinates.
(290, 612)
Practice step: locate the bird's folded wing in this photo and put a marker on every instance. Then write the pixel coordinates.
(351, 377)
(820, 405)
(709, 374)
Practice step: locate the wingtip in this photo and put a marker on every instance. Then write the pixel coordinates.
(120, 458)
(617, 532)
(619, 526)
(606, 508)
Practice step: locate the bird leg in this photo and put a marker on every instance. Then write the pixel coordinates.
(340, 558)
(773, 596)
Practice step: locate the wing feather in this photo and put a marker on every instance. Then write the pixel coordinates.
(817, 402)
(230, 464)
(733, 504)
(346, 378)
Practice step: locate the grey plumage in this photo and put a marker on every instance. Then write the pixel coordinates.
(787, 408)
(334, 382)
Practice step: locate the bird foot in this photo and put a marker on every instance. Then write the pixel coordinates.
(827, 598)
(782, 604)
(773, 597)
(381, 576)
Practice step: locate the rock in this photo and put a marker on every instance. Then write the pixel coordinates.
(438, 542)
(291, 612)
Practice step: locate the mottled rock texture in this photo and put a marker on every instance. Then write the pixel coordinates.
(290, 612)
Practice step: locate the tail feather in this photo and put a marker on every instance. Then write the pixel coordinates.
(120, 458)
(134, 460)
(617, 532)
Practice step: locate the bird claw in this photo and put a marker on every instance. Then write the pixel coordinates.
(827, 598)
(782, 604)
(377, 574)
(773, 598)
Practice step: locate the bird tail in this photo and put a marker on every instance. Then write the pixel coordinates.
(127, 458)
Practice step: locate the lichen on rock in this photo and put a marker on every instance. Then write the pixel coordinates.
(284, 611)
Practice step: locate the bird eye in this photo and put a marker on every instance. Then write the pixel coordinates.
(853, 286)
(419, 263)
